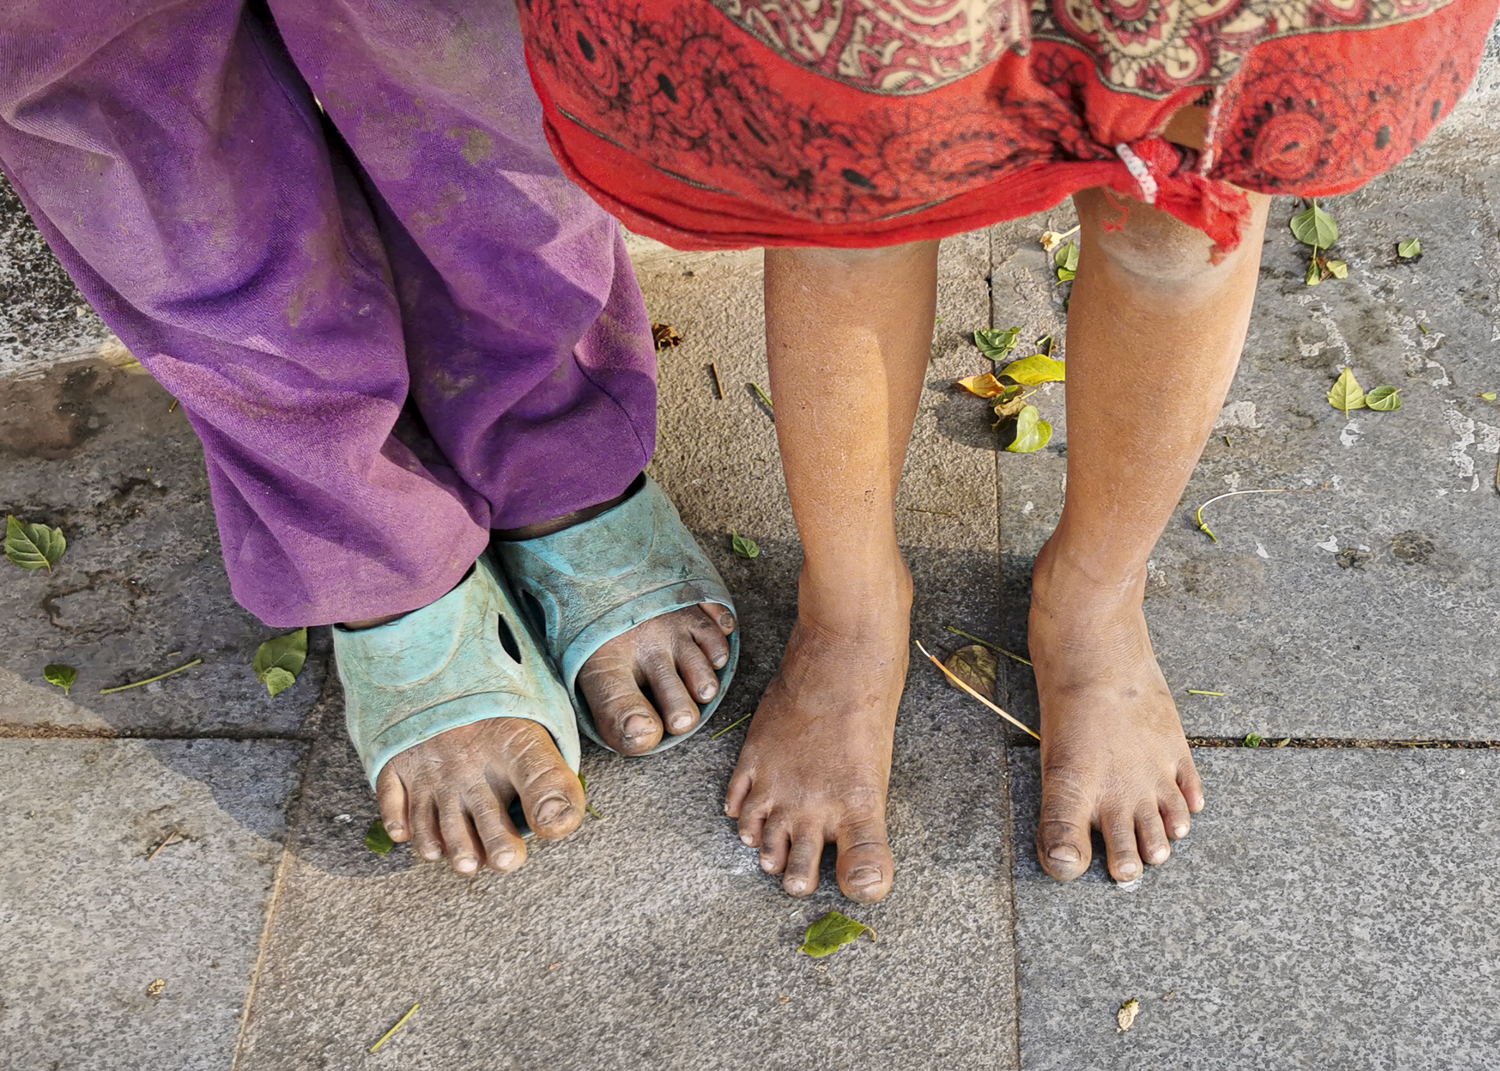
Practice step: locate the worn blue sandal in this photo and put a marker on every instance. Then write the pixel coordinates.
(597, 580)
(467, 657)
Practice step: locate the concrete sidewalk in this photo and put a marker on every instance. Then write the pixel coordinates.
(1335, 906)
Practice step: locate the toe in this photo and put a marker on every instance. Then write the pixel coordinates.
(551, 794)
(720, 615)
(709, 638)
(1189, 784)
(775, 845)
(1151, 837)
(390, 797)
(753, 824)
(1063, 842)
(424, 829)
(801, 875)
(623, 715)
(865, 866)
(739, 789)
(696, 673)
(1120, 846)
(673, 703)
(459, 840)
(1174, 813)
(504, 850)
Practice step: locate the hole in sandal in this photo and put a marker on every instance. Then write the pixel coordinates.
(508, 640)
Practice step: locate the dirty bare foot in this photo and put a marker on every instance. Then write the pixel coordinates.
(1113, 752)
(817, 760)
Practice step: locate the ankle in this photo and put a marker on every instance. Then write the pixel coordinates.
(1067, 581)
(853, 593)
(568, 520)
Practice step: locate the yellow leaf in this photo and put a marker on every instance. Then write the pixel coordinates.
(1038, 368)
(986, 386)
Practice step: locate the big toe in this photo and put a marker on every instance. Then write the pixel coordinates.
(623, 715)
(1063, 840)
(865, 865)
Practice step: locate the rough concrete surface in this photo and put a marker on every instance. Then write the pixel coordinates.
(89, 921)
(1330, 909)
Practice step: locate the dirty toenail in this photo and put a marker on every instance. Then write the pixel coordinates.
(682, 723)
(551, 809)
(637, 726)
(726, 621)
(865, 875)
(796, 885)
(1064, 853)
(503, 858)
(707, 692)
(767, 865)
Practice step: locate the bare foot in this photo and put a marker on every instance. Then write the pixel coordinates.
(1113, 752)
(817, 760)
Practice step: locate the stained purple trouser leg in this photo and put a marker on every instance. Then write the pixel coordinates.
(176, 163)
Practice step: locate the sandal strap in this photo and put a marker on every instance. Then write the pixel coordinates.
(446, 665)
(597, 580)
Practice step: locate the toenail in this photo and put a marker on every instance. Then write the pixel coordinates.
(706, 692)
(726, 622)
(638, 725)
(503, 858)
(768, 865)
(796, 885)
(682, 724)
(431, 853)
(1160, 855)
(395, 829)
(551, 809)
(721, 661)
(865, 875)
(746, 838)
(465, 865)
(1179, 831)
(1064, 853)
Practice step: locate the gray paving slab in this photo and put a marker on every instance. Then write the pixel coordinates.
(651, 936)
(88, 922)
(1365, 610)
(1331, 909)
(99, 453)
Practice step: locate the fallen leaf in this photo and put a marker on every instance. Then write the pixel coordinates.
(1384, 399)
(1010, 404)
(745, 548)
(1066, 258)
(985, 386)
(830, 933)
(278, 661)
(156, 988)
(1254, 740)
(377, 839)
(1410, 249)
(1038, 368)
(1315, 227)
(975, 666)
(1490, 395)
(1337, 268)
(995, 343)
(1282, 743)
(1346, 393)
(62, 676)
(33, 546)
(1125, 1017)
(665, 335)
(1314, 273)
(1032, 432)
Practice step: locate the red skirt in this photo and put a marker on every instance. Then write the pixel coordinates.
(727, 124)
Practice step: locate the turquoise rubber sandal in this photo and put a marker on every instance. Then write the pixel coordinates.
(467, 657)
(597, 580)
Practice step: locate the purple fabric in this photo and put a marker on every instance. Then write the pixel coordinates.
(293, 298)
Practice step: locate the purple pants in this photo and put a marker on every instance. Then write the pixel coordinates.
(295, 288)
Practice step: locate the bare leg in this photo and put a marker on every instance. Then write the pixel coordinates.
(1154, 336)
(817, 759)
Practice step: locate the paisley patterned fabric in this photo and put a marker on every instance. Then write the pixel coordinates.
(736, 123)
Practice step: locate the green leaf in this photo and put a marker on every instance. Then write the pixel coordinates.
(830, 933)
(1066, 275)
(62, 676)
(1410, 249)
(33, 546)
(995, 343)
(1314, 273)
(1337, 268)
(1032, 432)
(1346, 393)
(1489, 395)
(1038, 368)
(1066, 258)
(745, 548)
(1385, 399)
(377, 839)
(279, 660)
(1315, 227)
(1254, 740)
